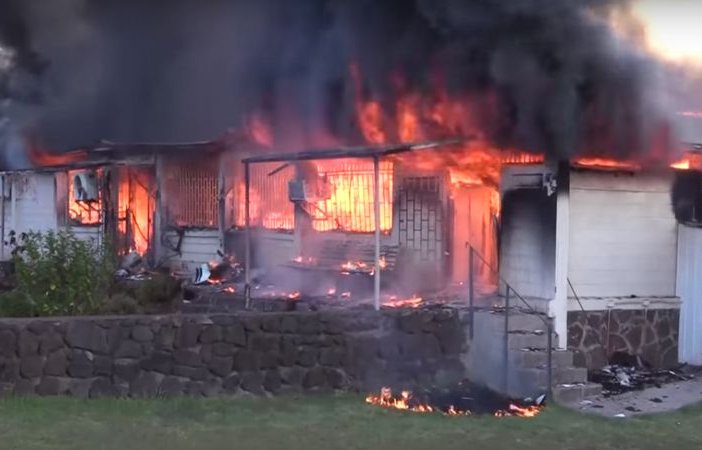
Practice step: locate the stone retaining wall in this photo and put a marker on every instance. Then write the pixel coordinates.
(651, 334)
(207, 355)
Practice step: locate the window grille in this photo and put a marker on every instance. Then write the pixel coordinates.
(191, 194)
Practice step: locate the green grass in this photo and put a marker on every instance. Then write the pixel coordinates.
(318, 423)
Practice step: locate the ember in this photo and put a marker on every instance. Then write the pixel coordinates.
(412, 302)
(473, 401)
(603, 163)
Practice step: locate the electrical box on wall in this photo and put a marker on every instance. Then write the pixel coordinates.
(85, 186)
(302, 191)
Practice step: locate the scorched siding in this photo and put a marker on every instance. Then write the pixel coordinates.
(623, 236)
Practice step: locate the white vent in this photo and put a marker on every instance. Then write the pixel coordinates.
(85, 187)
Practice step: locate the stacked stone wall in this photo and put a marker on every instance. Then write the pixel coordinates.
(651, 334)
(207, 355)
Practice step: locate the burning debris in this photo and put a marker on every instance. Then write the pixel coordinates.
(466, 400)
(217, 272)
(628, 373)
(395, 302)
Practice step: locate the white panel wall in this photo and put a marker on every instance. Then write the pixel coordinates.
(689, 289)
(623, 236)
(34, 208)
(92, 233)
(272, 248)
(198, 247)
(527, 249)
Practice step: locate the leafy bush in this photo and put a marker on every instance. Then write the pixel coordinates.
(157, 294)
(58, 274)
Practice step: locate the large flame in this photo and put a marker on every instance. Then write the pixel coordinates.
(135, 207)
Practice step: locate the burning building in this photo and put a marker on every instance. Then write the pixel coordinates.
(497, 144)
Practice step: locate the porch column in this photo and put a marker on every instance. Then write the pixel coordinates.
(247, 234)
(376, 215)
(559, 306)
(160, 211)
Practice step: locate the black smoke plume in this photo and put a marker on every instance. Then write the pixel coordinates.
(546, 75)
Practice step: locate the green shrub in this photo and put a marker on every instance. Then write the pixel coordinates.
(58, 274)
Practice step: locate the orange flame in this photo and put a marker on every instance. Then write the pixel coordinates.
(260, 131)
(683, 164)
(412, 302)
(81, 212)
(405, 402)
(387, 400)
(604, 163)
(41, 158)
(135, 206)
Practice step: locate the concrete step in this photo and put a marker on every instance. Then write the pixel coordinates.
(518, 322)
(519, 341)
(539, 377)
(575, 393)
(538, 359)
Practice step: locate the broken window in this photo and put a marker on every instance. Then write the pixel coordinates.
(84, 197)
(191, 193)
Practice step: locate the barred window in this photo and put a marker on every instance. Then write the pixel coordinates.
(269, 205)
(191, 194)
(351, 201)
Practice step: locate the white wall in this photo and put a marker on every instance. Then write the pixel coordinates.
(623, 236)
(35, 204)
(88, 233)
(198, 247)
(527, 247)
(689, 289)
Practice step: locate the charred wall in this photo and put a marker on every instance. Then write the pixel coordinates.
(528, 242)
(257, 353)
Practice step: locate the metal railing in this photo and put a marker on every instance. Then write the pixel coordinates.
(509, 293)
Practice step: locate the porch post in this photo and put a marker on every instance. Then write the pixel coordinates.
(160, 212)
(247, 234)
(221, 207)
(376, 215)
(559, 305)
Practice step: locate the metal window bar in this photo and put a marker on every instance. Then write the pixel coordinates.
(269, 205)
(350, 206)
(192, 191)
(420, 217)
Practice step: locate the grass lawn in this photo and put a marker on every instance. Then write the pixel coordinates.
(318, 423)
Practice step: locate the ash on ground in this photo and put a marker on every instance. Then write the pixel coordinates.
(627, 373)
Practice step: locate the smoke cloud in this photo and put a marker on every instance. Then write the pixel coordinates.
(543, 75)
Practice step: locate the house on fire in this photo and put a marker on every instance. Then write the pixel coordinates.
(594, 244)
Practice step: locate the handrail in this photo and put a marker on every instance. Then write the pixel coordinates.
(500, 278)
(509, 289)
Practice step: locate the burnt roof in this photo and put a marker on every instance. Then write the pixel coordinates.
(347, 152)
